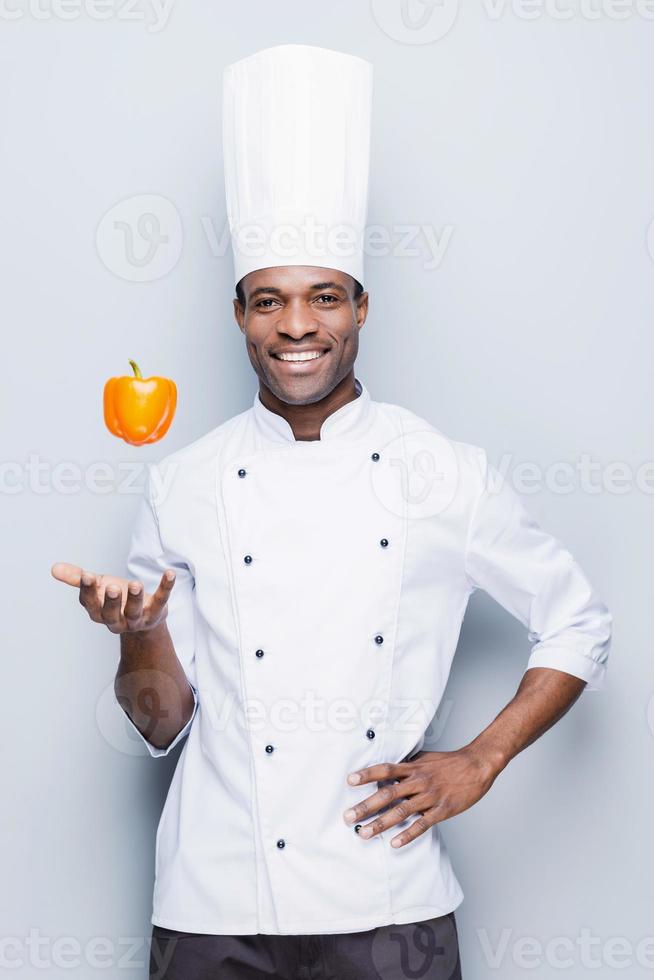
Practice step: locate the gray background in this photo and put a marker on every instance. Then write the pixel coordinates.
(532, 141)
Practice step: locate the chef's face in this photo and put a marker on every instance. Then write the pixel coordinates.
(306, 311)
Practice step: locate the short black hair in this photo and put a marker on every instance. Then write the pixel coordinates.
(240, 295)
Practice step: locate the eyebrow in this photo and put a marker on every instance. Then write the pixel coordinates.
(265, 289)
(278, 292)
(329, 285)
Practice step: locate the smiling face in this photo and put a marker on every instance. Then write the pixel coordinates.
(301, 327)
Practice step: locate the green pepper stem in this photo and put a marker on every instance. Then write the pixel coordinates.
(136, 369)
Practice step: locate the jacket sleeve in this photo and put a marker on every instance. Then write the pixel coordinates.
(535, 578)
(147, 560)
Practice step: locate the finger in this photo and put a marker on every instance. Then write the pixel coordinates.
(420, 825)
(391, 818)
(375, 774)
(373, 804)
(89, 595)
(112, 606)
(64, 572)
(160, 597)
(134, 602)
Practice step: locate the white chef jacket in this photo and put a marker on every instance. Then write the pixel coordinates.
(322, 589)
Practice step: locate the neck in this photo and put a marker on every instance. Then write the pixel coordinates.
(306, 420)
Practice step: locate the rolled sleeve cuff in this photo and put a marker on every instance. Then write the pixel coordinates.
(572, 662)
(153, 749)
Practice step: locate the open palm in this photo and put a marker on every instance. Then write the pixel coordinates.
(122, 605)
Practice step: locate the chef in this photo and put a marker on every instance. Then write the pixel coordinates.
(297, 581)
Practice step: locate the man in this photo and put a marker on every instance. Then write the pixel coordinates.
(298, 579)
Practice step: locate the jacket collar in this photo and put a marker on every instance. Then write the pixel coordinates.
(347, 421)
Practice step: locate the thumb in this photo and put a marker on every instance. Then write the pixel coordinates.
(64, 572)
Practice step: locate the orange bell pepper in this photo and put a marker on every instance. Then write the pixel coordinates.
(137, 409)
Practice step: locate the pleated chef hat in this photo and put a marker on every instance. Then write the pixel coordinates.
(296, 138)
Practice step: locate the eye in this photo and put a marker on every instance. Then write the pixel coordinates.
(328, 296)
(265, 303)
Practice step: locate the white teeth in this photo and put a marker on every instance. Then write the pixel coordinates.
(301, 356)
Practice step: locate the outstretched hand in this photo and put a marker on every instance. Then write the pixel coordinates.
(122, 605)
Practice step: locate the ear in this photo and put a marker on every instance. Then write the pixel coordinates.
(239, 314)
(362, 309)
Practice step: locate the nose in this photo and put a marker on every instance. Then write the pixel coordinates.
(297, 321)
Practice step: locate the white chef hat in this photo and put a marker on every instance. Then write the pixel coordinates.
(296, 138)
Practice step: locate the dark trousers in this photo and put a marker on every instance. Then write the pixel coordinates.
(427, 950)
